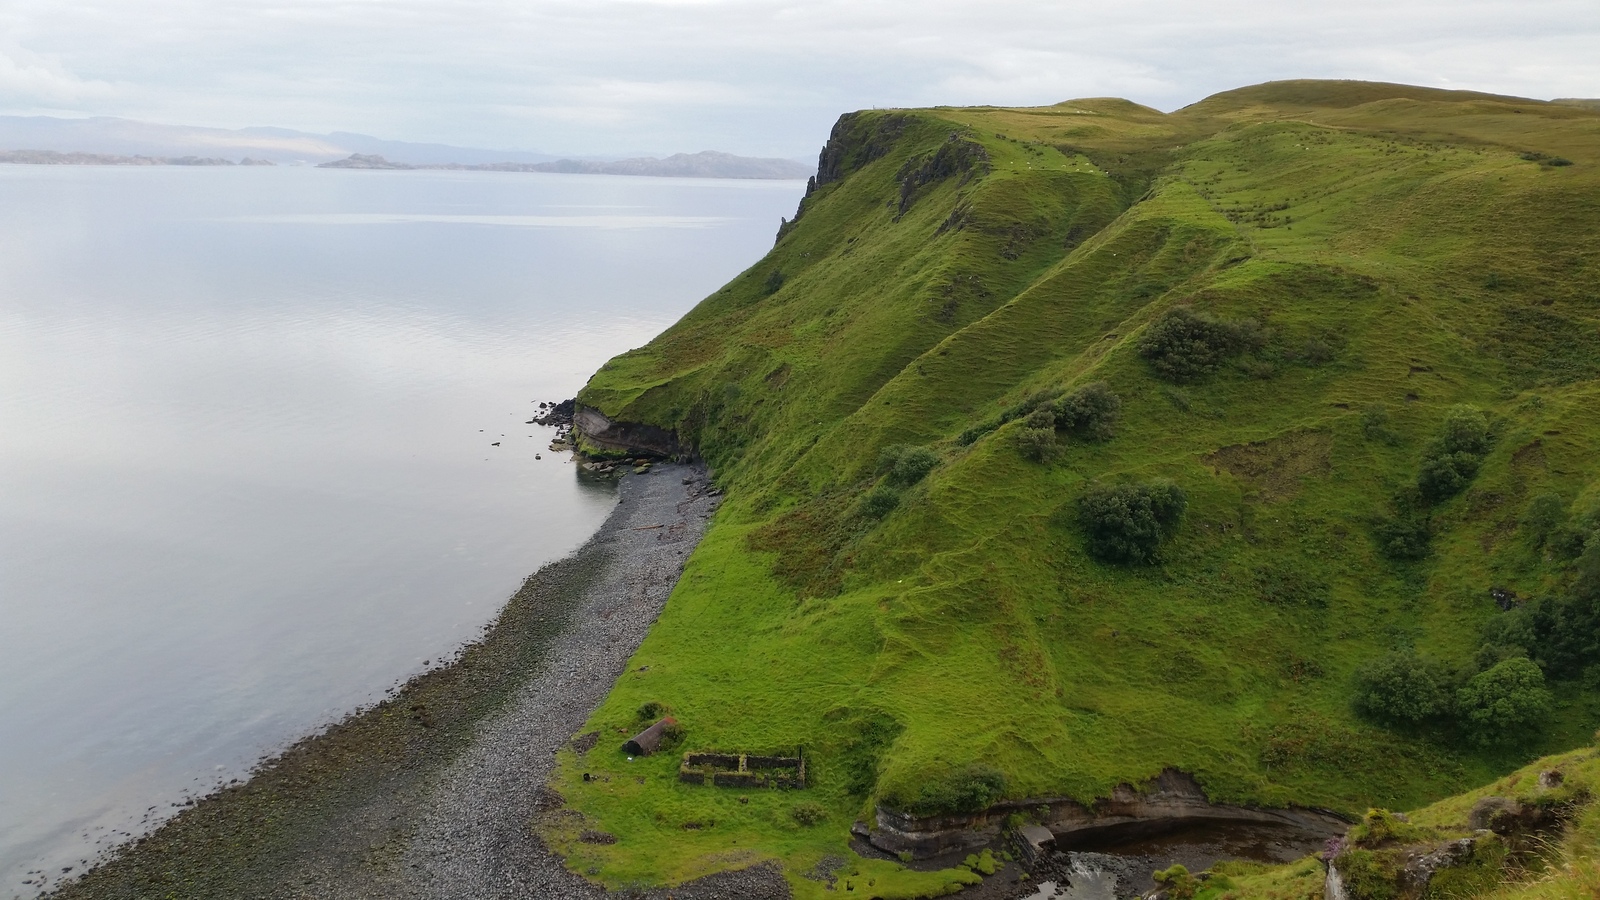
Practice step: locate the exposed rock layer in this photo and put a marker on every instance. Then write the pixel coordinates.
(1169, 800)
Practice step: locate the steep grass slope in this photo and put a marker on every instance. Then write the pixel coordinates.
(1364, 258)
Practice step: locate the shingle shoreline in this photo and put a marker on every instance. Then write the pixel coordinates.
(430, 794)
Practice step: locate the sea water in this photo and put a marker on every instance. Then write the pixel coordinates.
(263, 449)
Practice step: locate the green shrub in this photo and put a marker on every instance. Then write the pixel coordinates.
(969, 790)
(1446, 475)
(1128, 522)
(1043, 417)
(1089, 413)
(1562, 633)
(808, 813)
(652, 710)
(1037, 444)
(1178, 883)
(1505, 703)
(1402, 689)
(1375, 424)
(1452, 460)
(774, 281)
(906, 464)
(1186, 346)
(1403, 537)
(970, 436)
(1466, 430)
(1545, 516)
(879, 502)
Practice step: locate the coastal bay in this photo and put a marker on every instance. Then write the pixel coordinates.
(251, 456)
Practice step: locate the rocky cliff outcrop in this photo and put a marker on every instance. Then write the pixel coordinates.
(1171, 799)
(599, 432)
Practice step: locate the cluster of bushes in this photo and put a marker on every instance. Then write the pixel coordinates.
(1498, 701)
(1127, 523)
(1187, 346)
(1089, 413)
(969, 790)
(1453, 458)
(901, 466)
(1560, 630)
(1448, 466)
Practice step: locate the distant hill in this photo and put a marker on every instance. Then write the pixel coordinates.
(53, 158)
(127, 137)
(105, 141)
(705, 164)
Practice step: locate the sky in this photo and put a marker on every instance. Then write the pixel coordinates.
(756, 77)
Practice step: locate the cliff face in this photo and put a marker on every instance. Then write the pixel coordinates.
(1066, 446)
(598, 434)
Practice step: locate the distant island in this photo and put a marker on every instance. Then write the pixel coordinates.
(705, 164)
(54, 158)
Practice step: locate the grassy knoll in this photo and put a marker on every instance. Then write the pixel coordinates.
(1358, 260)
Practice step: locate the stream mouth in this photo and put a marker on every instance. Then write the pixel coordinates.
(1117, 862)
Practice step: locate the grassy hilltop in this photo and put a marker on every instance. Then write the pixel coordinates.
(1063, 445)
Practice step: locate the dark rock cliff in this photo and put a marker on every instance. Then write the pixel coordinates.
(628, 438)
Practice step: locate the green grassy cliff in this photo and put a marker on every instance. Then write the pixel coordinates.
(1353, 325)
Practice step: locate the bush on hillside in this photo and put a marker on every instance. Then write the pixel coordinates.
(1128, 522)
(906, 464)
(1453, 459)
(1375, 424)
(879, 502)
(1545, 516)
(1466, 430)
(1043, 417)
(1402, 689)
(1446, 475)
(1089, 413)
(1505, 703)
(1404, 537)
(969, 790)
(1562, 633)
(807, 813)
(1185, 346)
(1037, 444)
(774, 281)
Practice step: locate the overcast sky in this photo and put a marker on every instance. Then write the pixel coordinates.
(760, 77)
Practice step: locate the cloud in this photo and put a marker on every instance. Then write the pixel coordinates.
(754, 76)
(28, 80)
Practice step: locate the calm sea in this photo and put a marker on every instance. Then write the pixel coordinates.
(248, 473)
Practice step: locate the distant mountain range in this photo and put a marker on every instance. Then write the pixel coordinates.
(113, 141)
(705, 164)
